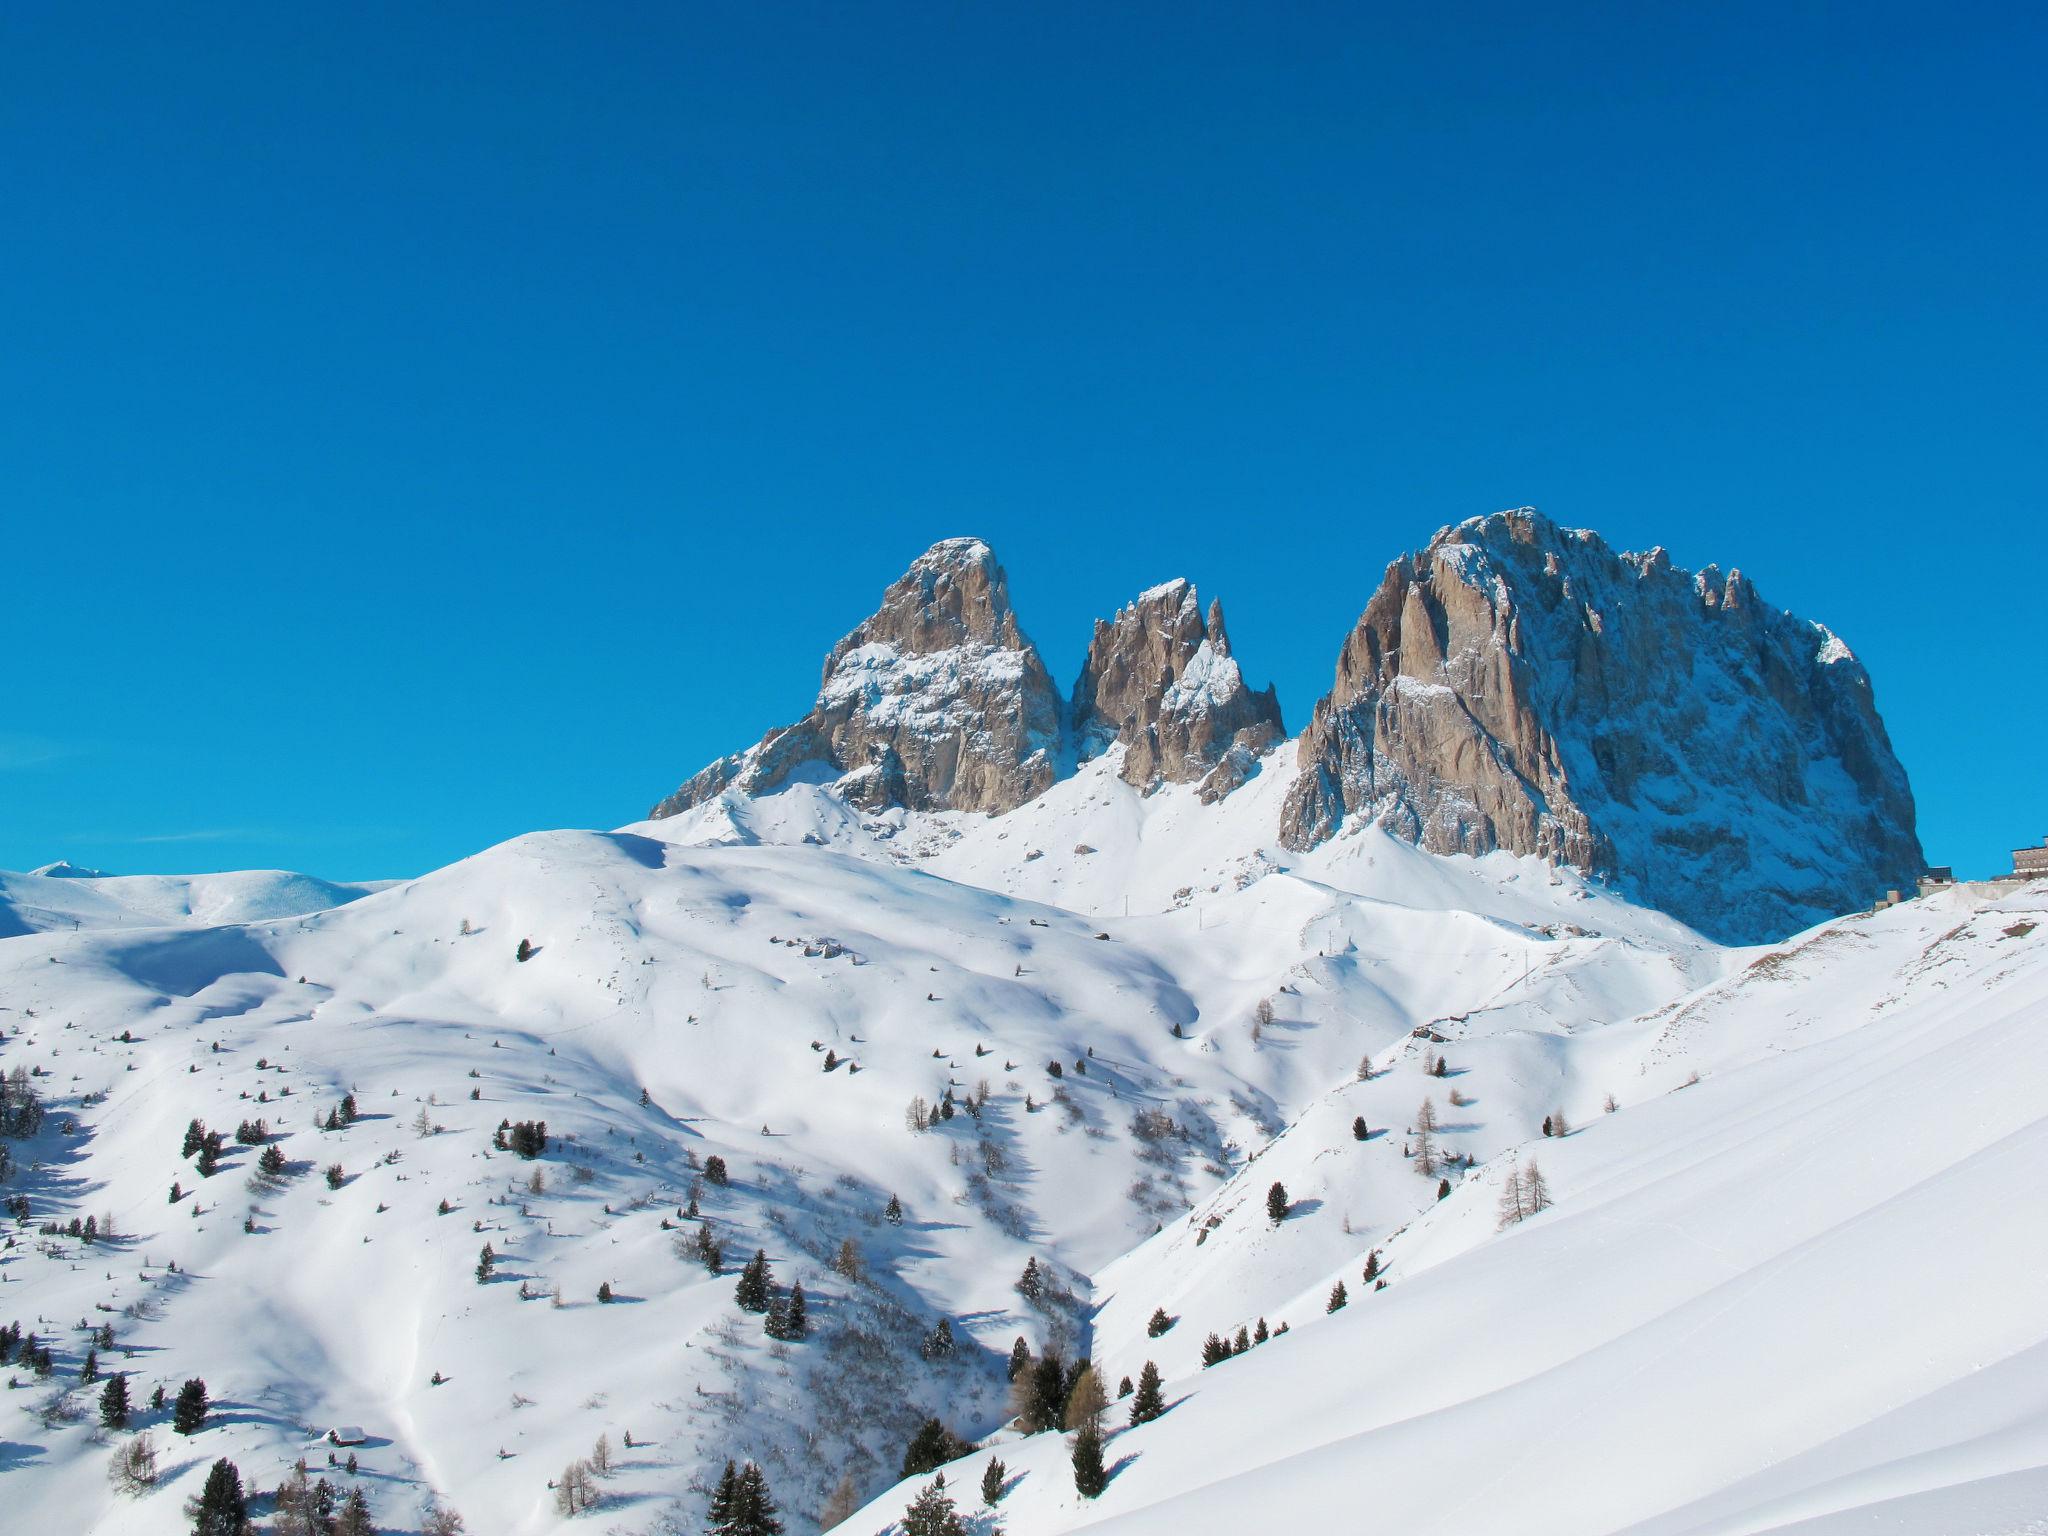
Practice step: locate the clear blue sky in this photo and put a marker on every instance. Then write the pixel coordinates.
(421, 424)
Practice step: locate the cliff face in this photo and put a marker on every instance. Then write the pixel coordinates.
(1159, 679)
(937, 701)
(1522, 686)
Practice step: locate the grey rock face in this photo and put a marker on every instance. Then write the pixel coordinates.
(1160, 679)
(1522, 686)
(937, 701)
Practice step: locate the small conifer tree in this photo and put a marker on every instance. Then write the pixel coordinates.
(1276, 1202)
(1150, 1401)
(188, 1415)
(1338, 1298)
(1090, 1477)
(992, 1477)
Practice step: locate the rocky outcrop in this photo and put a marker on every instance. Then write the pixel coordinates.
(1159, 679)
(936, 702)
(1522, 686)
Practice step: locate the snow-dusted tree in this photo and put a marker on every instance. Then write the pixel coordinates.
(601, 1456)
(932, 1513)
(756, 1284)
(893, 1212)
(132, 1468)
(1150, 1401)
(755, 1514)
(1425, 1138)
(1090, 1477)
(992, 1477)
(796, 1322)
(938, 1344)
(440, 1519)
(1031, 1284)
(917, 1115)
(353, 1518)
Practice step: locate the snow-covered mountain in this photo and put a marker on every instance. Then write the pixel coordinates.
(1520, 685)
(827, 1007)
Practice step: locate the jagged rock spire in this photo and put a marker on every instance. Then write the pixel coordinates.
(1159, 678)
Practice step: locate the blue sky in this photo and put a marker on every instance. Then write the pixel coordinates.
(423, 424)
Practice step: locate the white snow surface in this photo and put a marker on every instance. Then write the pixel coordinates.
(1800, 1292)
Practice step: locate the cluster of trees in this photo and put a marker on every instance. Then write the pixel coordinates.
(342, 1115)
(741, 1504)
(252, 1133)
(1216, 1349)
(21, 1110)
(318, 1508)
(529, 1138)
(27, 1349)
(208, 1145)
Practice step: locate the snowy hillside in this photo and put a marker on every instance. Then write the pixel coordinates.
(62, 896)
(1089, 1034)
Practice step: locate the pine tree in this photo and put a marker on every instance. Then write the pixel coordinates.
(1338, 1297)
(222, 1509)
(709, 1253)
(1150, 1401)
(1443, 1189)
(1243, 1341)
(1276, 1202)
(932, 1513)
(348, 1109)
(524, 952)
(1089, 1476)
(195, 1138)
(188, 1417)
(604, 1291)
(271, 1163)
(1425, 1137)
(1259, 1333)
(484, 1262)
(938, 1344)
(354, 1518)
(796, 1321)
(992, 1477)
(1048, 1394)
(930, 1448)
(725, 1502)
(1215, 1350)
(1030, 1284)
(715, 1173)
(1159, 1324)
(89, 1369)
(1358, 1130)
(114, 1403)
(893, 1212)
(1020, 1357)
(1372, 1266)
(757, 1511)
(755, 1285)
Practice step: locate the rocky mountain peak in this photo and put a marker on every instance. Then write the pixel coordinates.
(1523, 686)
(1159, 678)
(936, 701)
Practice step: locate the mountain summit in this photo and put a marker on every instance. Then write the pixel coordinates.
(936, 701)
(1523, 686)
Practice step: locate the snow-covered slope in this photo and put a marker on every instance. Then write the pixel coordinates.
(1799, 1286)
(61, 896)
(1799, 1294)
(713, 980)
